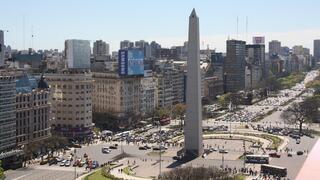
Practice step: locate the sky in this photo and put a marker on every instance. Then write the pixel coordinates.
(51, 22)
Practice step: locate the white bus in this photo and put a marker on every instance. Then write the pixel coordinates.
(257, 159)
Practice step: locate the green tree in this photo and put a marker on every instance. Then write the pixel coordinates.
(2, 176)
(178, 111)
(302, 112)
(162, 112)
(198, 173)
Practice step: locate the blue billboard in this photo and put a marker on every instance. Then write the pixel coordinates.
(135, 62)
(123, 62)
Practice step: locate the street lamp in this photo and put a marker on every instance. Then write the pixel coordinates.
(75, 167)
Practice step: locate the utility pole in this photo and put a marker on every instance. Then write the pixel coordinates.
(75, 167)
(160, 150)
(244, 154)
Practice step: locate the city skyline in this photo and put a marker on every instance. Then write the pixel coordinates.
(92, 21)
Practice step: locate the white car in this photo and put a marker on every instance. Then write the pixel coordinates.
(63, 162)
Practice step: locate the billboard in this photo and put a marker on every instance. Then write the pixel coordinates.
(131, 62)
(258, 40)
(123, 62)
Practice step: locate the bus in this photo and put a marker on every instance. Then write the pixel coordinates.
(257, 159)
(273, 170)
(165, 121)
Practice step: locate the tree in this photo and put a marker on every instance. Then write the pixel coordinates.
(198, 173)
(2, 176)
(178, 111)
(302, 112)
(162, 112)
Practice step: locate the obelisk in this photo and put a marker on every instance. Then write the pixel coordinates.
(193, 123)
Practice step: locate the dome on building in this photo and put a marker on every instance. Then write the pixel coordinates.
(42, 84)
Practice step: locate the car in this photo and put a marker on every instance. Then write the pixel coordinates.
(299, 153)
(82, 163)
(142, 148)
(148, 147)
(298, 141)
(113, 147)
(223, 151)
(63, 162)
(105, 150)
(52, 161)
(85, 155)
(95, 164)
(156, 148)
(289, 154)
(274, 155)
(67, 164)
(177, 158)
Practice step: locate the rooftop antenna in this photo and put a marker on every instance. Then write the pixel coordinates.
(32, 36)
(247, 29)
(23, 31)
(237, 27)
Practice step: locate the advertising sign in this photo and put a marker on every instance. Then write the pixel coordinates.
(135, 62)
(258, 40)
(123, 62)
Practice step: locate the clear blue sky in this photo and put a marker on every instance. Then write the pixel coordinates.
(166, 21)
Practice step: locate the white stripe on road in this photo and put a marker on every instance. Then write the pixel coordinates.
(20, 177)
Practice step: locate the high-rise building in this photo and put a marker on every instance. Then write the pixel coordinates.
(2, 48)
(316, 49)
(234, 66)
(126, 44)
(32, 109)
(298, 50)
(7, 112)
(77, 54)
(193, 123)
(274, 47)
(256, 59)
(71, 103)
(148, 95)
(100, 48)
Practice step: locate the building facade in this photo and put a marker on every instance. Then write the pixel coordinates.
(116, 95)
(316, 49)
(234, 66)
(2, 48)
(7, 112)
(100, 48)
(77, 53)
(148, 95)
(71, 102)
(274, 47)
(32, 110)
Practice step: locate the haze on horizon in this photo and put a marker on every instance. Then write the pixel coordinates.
(52, 22)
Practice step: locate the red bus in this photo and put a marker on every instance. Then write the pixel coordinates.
(165, 121)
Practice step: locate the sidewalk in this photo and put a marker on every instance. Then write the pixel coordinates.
(118, 174)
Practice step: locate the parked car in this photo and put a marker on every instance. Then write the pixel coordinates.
(67, 164)
(274, 155)
(95, 164)
(298, 141)
(113, 147)
(142, 148)
(52, 161)
(289, 154)
(299, 153)
(63, 162)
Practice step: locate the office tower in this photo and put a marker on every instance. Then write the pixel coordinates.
(126, 44)
(7, 112)
(298, 50)
(316, 49)
(77, 54)
(193, 124)
(2, 48)
(255, 54)
(274, 47)
(32, 109)
(100, 48)
(234, 66)
(70, 97)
